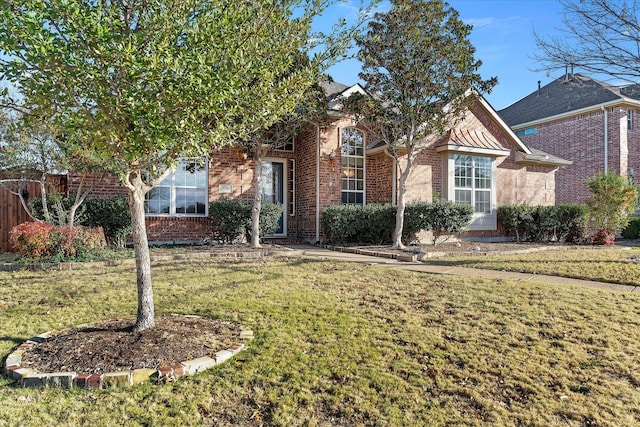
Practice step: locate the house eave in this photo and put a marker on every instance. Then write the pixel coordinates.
(541, 159)
(472, 150)
(591, 108)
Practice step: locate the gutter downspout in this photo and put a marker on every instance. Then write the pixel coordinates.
(394, 178)
(606, 140)
(317, 182)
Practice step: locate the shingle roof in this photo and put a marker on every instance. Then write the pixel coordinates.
(333, 88)
(562, 96)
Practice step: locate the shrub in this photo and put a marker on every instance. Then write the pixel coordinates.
(359, 224)
(447, 218)
(232, 217)
(113, 216)
(544, 223)
(40, 239)
(31, 239)
(632, 230)
(603, 237)
(374, 223)
(269, 216)
(613, 200)
(75, 242)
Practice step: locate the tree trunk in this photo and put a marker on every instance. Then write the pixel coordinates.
(137, 189)
(397, 232)
(257, 200)
(402, 190)
(43, 198)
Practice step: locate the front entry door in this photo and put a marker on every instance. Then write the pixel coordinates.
(273, 190)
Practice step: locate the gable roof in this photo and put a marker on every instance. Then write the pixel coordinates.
(565, 96)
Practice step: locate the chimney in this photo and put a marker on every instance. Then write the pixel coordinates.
(539, 81)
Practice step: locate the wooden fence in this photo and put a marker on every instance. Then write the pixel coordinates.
(11, 211)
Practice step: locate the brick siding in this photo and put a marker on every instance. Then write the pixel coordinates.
(580, 139)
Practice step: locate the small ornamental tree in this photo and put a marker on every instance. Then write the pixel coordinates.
(613, 199)
(312, 107)
(421, 74)
(143, 83)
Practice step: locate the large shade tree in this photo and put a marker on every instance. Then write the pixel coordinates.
(421, 75)
(598, 36)
(143, 83)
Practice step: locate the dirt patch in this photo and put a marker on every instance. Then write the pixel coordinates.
(111, 346)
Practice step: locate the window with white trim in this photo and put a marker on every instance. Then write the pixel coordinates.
(472, 182)
(630, 119)
(353, 166)
(183, 192)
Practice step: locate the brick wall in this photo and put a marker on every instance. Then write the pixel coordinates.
(581, 139)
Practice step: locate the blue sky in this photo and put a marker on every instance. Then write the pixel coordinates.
(503, 38)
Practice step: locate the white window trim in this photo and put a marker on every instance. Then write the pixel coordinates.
(172, 202)
(364, 165)
(480, 221)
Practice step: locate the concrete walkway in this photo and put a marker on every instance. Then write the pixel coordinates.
(322, 253)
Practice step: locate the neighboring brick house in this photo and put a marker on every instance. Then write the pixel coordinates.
(481, 162)
(583, 120)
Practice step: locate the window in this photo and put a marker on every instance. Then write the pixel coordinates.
(523, 132)
(629, 119)
(472, 182)
(286, 146)
(183, 192)
(352, 166)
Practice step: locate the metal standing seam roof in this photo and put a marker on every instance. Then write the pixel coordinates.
(471, 139)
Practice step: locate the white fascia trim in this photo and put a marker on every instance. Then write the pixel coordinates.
(507, 129)
(592, 108)
(473, 150)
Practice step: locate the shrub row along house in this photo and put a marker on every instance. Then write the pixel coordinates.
(589, 122)
(481, 162)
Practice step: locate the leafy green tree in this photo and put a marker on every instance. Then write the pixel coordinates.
(613, 200)
(143, 83)
(420, 70)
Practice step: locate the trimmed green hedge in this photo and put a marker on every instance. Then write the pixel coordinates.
(232, 217)
(632, 230)
(113, 216)
(374, 223)
(526, 223)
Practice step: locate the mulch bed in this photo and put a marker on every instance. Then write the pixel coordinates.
(111, 346)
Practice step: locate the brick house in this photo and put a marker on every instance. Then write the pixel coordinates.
(481, 162)
(583, 120)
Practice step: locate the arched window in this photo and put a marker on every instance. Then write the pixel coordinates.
(353, 166)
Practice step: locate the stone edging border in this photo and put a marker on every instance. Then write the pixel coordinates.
(28, 377)
(418, 257)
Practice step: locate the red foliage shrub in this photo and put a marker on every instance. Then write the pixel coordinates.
(603, 237)
(31, 239)
(38, 239)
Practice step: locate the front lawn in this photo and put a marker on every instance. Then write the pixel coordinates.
(346, 344)
(612, 265)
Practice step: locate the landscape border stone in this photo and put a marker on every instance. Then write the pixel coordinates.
(29, 377)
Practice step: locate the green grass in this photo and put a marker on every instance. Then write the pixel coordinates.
(602, 265)
(346, 344)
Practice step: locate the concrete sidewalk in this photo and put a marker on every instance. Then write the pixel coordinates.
(322, 253)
